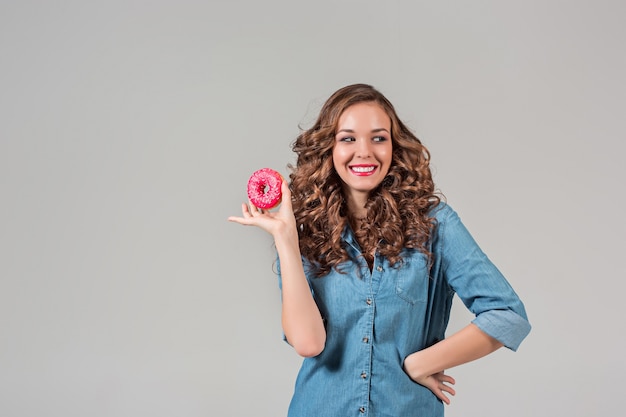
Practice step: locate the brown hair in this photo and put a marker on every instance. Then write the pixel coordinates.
(397, 210)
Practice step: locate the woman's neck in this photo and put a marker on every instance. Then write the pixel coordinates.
(356, 205)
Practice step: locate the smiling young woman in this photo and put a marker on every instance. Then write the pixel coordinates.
(369, 260)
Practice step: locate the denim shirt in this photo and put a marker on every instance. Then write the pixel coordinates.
(374, 320)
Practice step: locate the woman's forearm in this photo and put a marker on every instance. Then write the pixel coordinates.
(468, 344)
(301, 319)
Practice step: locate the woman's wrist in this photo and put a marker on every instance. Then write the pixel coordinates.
(286, 238)
(411, 366)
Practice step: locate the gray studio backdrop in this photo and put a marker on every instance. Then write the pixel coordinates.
(128, 130)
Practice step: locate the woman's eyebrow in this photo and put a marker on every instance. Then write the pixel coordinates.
(380, 129)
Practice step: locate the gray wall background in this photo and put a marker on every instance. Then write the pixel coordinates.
(129, 129)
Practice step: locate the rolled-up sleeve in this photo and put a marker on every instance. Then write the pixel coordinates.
(479, 284)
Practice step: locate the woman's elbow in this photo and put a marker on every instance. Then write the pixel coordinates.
(309, 348)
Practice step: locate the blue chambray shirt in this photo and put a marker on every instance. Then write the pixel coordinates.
(375, 319)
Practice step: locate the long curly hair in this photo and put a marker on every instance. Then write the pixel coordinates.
(397, 210)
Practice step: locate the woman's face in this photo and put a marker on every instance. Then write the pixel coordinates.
(362, 149)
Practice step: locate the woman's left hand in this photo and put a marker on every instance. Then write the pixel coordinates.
(438, 384)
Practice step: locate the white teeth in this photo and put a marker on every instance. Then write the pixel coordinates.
(363, 169)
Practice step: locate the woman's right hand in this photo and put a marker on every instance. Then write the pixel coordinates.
(277, 223)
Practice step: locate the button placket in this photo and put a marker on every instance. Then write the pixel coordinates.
(366, 338)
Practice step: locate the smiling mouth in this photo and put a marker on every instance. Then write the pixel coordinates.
(362, 169)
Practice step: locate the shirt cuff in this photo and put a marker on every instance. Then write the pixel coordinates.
(506, 326)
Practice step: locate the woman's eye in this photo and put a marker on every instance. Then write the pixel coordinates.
(379, 139)
(347, 139)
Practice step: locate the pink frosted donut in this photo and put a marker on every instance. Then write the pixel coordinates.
(264, 188)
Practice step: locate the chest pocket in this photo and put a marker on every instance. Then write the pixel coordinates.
(412, 280)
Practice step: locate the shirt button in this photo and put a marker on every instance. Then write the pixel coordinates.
(368, 301)
(362, 410)
(363, 375)
(379, 268)
(366, 339)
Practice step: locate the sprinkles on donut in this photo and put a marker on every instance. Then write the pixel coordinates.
(264, 188)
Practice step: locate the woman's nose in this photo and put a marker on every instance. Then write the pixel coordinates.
(364, 148)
